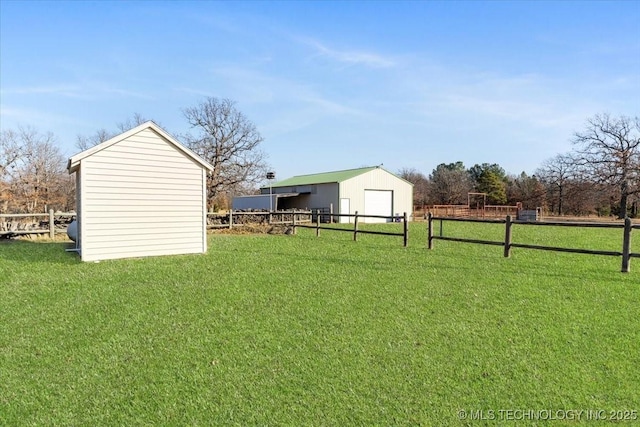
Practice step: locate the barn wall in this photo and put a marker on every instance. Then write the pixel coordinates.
(141, 197)
(315, 196)
(297, 202)
(260, 202)
(323, 196)
(378, 179)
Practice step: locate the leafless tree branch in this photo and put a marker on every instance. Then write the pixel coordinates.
(225, 138)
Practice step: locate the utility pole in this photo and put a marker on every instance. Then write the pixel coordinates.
(270, 176)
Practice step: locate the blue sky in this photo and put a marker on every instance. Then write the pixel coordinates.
(330, 85)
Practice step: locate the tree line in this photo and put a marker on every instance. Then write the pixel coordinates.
(601, 175)
(33, 175)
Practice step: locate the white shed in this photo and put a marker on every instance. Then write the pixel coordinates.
(141, 193)
(368, 191)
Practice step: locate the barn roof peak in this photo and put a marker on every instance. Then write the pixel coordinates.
(325, 177)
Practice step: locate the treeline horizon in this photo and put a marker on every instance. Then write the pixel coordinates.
(455, 184)
(600, 176)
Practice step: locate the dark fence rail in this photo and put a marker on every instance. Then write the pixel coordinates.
(355, 230)
(625, 253)
(12, 225)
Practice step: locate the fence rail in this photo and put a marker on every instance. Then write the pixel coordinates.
(507, 244)
(50, 225)
(467, 211)
(355, 230)
(241, 218)
(56, 223)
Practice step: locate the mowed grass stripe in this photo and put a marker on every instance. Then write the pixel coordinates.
(299, 330)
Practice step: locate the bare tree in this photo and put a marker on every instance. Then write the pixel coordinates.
(584, 197)
(36, 178)
(84, 142)
(450, 184)
(135, 120)
(525, 189)
(608, 150)
(556, 174)
(10, 151)
(420, 185)
(229, 141)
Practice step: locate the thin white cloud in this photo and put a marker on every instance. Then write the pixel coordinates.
(350, 57)
(17, 116)
(192, 91)
(291, 105)
(330, 107)
(71, 91)
(87, 90)
(527, 99)
(259, 88)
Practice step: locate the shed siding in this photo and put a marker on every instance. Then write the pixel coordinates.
(79, 194)
(141, 197)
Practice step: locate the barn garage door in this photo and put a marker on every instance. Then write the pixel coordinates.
(378, 202)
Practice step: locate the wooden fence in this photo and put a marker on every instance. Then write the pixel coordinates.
(466, 211)
(242, 218)
(52, 223)
(507, 244)
(57, 222)
(355, 230)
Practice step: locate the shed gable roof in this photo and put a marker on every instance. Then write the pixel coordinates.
(74, 161)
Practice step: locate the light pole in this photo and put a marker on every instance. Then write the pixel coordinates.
(270, 176)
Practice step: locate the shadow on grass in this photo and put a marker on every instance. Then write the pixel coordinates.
(46, 252)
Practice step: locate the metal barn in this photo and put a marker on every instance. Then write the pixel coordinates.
(141, 193)
(369, 191)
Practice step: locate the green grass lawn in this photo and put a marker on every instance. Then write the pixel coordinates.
(299, 330)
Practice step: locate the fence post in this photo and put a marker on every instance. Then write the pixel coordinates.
(330, 213)
(294, 223)
(317, 222)
(626, 245)
(429, 230)
(230, 219)
(406, 230)
(52, 225)
(507, 237)
(355, 227)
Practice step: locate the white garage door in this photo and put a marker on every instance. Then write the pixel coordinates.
(378, 202)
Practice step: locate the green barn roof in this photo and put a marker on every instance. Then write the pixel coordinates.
(323, 178)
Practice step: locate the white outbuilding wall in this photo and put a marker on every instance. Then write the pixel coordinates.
(368, 191)
(377, 192)
(140, 194)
